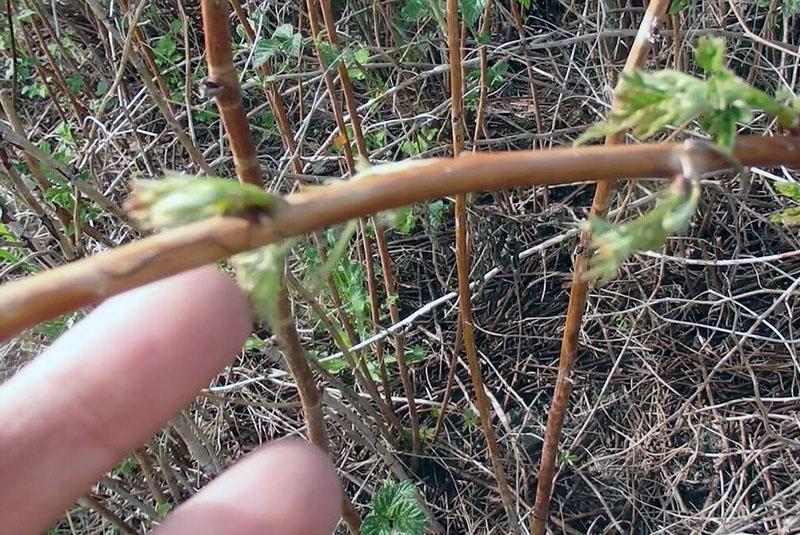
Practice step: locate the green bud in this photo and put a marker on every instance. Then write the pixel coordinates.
(178, 200)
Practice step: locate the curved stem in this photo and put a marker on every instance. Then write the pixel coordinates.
(28, 301)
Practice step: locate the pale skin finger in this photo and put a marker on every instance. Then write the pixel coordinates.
(288, 487)
(107, 385)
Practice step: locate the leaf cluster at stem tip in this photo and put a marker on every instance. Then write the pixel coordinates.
(646, 102)
(612, 243)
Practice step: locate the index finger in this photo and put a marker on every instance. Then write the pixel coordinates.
(109, 384)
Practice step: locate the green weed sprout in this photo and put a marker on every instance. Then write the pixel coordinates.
(790, 216)
(614, 243)
(646, 102)
(395, 511)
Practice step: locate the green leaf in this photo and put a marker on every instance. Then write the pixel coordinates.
(165, 47)
(175, 26)
(163, 509)
(525, 3)
(101, 89)
(361, 55)
(284, 31)
(329, 52)
(678, 5)
(790, 217)
(414, 10)
(437, 211)
(402, 219)
(126, 467)
(284, 41)
(254, 343)
(789, 189)
(471, 10)
(416, 354)
(75, 82)
(332, 366)
(395, 511)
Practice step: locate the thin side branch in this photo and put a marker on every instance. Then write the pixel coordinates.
(462, 258)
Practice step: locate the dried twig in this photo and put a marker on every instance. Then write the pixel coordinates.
(463, 261)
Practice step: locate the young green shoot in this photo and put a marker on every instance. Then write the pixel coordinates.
(647, 102)
(395, 511)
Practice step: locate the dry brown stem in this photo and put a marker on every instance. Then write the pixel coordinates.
(577, 297)
(223, 84)
(273, 93)
(310, 398)
(454, 43)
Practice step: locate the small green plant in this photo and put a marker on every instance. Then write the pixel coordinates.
(285, 42)
(790, 216)
(420, 143)
(254, 343)
(395, 511)
(438, 213)
(495, 76)
(568, 458)
(679, 5)
(470, 419)
(125, 468)
(166, 46)
(650, 101)
(50, 330)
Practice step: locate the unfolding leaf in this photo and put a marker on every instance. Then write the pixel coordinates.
(179, 199)
(260, 274)
(648, 102)
(710, 54)
(614, 243)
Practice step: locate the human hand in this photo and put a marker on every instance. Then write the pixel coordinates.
(111, 382)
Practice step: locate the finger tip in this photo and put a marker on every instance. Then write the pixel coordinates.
(289, 487)
(214, 313)
(221, 294)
